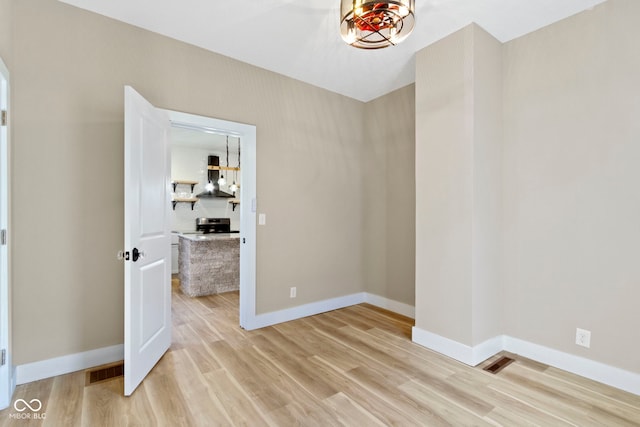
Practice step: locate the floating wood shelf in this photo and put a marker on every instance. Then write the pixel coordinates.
(234, 203)
(222, 168)
(178, 182)
(177, 200)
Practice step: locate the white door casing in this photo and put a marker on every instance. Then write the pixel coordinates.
(6, 381)
(247, 134)
(147, 296)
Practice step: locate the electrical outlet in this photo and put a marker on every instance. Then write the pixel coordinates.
(292, 292)
(583, 337)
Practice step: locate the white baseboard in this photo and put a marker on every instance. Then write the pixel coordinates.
(70, 363)
(288, 314)
(391, 305)
(293, 313)
(472, 356)
(597, 371)
(461, 352)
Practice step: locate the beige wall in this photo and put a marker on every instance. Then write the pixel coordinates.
(486, 291)
(444, 186)
(69, 68)
(458, 164)
(5, 31)
(568, 216)
(571, 184)
(389, 224)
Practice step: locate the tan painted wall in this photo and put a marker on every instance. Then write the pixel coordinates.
(571, 184)
(444, 186)
(458, 182)
(389, 126)
(5, 31)
(486, 291)
(69, 68)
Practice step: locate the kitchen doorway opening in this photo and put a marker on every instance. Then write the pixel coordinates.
(202, 133)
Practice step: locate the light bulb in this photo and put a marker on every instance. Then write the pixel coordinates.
(233, 187)
(209, 186)
(222, 181)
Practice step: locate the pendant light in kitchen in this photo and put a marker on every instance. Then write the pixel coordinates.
(234, 187)
(222, 181)
(374, 24)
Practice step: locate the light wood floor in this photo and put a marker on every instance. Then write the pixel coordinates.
(355, 367)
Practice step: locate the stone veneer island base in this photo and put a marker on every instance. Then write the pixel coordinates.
(209, 263)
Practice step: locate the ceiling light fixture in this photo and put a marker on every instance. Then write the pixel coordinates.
(376, 24)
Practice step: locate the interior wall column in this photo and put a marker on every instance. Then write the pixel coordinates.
(458, 188)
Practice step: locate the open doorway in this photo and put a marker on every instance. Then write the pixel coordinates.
(197, 142)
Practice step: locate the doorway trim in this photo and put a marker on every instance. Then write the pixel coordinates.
(248, 203)
(7, 377)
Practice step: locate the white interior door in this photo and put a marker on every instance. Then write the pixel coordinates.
(6, 383)
(147, 238)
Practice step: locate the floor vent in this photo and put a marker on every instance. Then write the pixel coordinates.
(104, 373)
(499, 365)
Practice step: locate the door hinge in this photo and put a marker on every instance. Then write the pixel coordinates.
(3, 237)
(3, 118)
(3, 357)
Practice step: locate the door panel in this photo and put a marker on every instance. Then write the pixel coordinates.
(147, 334)
(152, 296)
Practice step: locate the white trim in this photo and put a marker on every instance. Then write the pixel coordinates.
(70, 363)
(293, 313)
(391, 305)
(7, 386)
(472, 356)
(485, 350)
(275, 317)
(247, 134)
(597, 371)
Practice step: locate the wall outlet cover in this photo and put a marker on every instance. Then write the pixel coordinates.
(583, 337)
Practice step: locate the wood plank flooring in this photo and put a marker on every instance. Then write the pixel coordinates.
(353, 367)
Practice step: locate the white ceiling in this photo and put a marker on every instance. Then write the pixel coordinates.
(301, 38)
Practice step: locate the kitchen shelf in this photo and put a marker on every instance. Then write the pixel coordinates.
(234, 203)
(177, 200)
(183, 182)
(222, 168)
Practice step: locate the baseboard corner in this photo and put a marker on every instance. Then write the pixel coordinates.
(391, 305)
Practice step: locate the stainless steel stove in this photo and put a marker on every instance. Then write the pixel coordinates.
(213, 225)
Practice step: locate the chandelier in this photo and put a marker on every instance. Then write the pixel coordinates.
(376, 24)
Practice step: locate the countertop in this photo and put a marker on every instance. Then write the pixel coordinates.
(210, 236)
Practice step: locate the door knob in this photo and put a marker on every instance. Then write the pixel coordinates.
(136, 255)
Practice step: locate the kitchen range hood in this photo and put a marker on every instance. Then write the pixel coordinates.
(213, 176)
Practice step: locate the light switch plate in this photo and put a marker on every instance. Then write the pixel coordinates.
(262, 219)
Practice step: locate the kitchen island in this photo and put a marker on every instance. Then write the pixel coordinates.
(209, 263)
